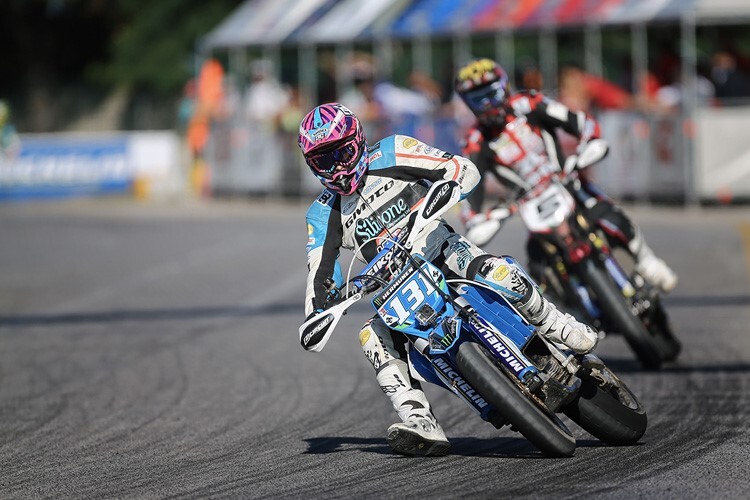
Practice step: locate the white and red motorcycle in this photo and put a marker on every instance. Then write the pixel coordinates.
(579, 270)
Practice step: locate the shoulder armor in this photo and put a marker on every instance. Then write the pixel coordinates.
(322, 205)
(382, 153)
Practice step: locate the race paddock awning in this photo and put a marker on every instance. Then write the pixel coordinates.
(273, 22)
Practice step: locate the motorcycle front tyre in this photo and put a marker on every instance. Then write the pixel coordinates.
(545, 431)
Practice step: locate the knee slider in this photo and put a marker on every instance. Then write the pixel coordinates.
(506, 276)
(372, 344)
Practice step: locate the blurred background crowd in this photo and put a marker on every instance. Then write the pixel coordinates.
(206, 97)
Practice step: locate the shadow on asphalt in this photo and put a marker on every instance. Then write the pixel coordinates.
(507, 447)
(187, 313)
(620, 366)
(705, 300)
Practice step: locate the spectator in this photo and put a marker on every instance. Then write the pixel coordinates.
(265, 101)
(669, 97)
(581, 91)
(421, 82)
(730, 82)
(385, 107)
(530, 77)
(265, 98)
(186, 106)
(10, 144)
(209, 101)
(288, 127)
(360, 97)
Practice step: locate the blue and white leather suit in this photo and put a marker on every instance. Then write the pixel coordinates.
(401, 169)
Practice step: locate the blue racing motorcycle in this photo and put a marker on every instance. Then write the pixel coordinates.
(465, 337)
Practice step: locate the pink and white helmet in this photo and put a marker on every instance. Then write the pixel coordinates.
(334, 147)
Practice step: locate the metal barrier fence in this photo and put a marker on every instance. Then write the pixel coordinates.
(651, 157)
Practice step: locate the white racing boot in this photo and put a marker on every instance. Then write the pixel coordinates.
(505, 275)
(419, 433)
(652, 268)
(656, 272)
(561, 328)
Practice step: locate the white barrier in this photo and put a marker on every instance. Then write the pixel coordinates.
(646, 159)
(722, 159)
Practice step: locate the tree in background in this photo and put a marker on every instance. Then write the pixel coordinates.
(60, 59)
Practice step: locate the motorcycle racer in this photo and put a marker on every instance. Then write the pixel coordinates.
(514, 138)
(370, 193)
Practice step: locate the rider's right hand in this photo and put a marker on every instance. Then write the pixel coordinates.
(314, 313)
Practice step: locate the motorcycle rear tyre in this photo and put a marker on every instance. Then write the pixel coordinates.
(605, 416)
(617, 311)
(668, 345)
(544, 431)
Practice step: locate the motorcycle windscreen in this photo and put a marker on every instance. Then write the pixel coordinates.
(408, 292)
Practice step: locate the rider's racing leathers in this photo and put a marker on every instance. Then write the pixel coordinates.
(527, 149)
(401, 169)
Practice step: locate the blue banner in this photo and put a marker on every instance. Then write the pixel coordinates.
(59, 167)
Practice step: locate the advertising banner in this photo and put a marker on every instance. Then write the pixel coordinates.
(63, 165)
(57, 167)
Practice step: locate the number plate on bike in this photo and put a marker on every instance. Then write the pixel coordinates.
(407, 292)
(547, 210)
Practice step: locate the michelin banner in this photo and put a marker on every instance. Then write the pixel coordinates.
(66, 165)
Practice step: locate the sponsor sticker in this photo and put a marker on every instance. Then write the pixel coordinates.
(324, 198)
(409, 142)
(501, 273)
(364, 336)
(463, 254)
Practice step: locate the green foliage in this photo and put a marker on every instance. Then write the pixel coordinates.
(153, 43)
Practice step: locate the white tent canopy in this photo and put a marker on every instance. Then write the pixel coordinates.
(261, 22)
(271, 22)
(345, 21)
(726, 10)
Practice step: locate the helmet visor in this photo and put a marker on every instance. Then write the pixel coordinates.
(337, 161)
(486, 98)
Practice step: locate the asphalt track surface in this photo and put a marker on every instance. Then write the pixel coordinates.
(152, 351)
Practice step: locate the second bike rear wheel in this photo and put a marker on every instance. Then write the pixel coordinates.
(618, 313)
(669, 346)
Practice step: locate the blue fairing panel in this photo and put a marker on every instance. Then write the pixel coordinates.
(496, 310)
(424, 367)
